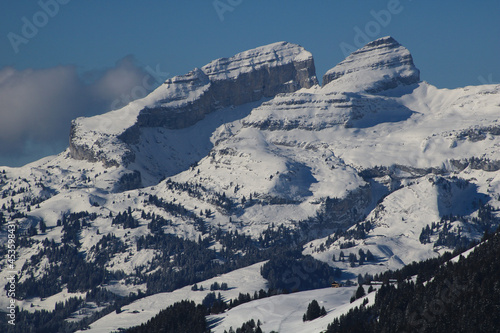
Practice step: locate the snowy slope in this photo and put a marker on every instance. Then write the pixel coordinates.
(397, 223)
(245, 280)
(283, 313)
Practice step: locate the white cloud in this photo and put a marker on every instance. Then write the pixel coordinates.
(37, 105)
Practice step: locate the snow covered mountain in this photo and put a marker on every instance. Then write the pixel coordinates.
(123, 137)
(381, 65)
(245, 152)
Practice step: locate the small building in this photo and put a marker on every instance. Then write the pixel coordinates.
(376, 283)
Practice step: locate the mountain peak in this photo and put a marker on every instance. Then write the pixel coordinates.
(379, 65)
(272, 55)
(184, 100)
(387, 40)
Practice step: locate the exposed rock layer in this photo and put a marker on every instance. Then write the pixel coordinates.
(233, 81)
(379, 65)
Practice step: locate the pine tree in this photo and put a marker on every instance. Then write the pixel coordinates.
(360, 292)
(43, 226)
(313, 311)
(369, 256)
(323, 311)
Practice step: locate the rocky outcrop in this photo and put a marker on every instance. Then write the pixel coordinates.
(95, 147)
(244, 78)
(476, 164)
(315, 110)
(380, 65)
(345, 212)
(80, 150)
(343, 100)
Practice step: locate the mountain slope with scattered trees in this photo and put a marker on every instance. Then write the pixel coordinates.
(462, 296)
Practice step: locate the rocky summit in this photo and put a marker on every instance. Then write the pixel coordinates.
(380, 65)
(184, 100)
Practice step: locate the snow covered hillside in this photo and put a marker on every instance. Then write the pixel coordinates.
(243, 160)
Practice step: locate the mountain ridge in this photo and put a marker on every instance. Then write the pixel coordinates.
(182, 101)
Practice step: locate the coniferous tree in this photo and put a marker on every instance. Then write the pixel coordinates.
(313, 311)
(42, 226)
(360, 292)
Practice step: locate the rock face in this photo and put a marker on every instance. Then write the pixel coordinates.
(318, 109)
(184, 100)
(380, 65)
(348, 96)
(244, 78)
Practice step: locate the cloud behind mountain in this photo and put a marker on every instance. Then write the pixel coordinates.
(37, 105)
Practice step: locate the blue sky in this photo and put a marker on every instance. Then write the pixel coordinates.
(61, 59)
